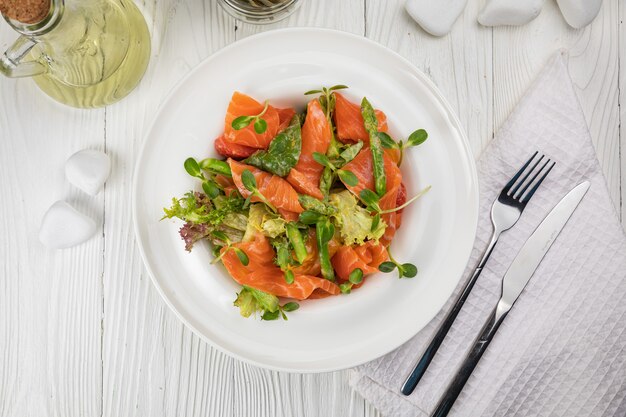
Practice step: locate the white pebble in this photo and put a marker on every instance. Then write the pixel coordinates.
(579, 13)
(435, 16)
(88, 170)
(63, 226)
(509, 12)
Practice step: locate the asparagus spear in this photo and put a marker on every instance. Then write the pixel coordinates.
(371, 126)
(325, 231)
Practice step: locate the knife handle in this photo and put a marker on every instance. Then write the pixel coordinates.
(471, 360)
(420, 368)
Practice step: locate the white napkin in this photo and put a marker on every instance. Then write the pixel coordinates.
(562, 349)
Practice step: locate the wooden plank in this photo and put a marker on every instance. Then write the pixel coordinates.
(50, 301)
(459, 63)
(259, 392)
(153, 365)
(521, 52)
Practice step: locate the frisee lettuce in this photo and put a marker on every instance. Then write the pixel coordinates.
(354, 222)
(197, 208)
(262, 220)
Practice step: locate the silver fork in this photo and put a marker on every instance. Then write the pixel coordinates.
(505, 212)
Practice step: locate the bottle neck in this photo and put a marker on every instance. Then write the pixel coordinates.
(42, 27)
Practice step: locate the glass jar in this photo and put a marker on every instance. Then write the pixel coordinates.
(260, 11)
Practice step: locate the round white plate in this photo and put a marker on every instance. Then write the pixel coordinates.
(436, 235)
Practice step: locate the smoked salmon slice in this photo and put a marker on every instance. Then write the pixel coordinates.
(362, 167)
(232, 150)
(349, 121)
(277, 191)
(316, 136)
(367, 257)
(243, 105)
(284, 117)
(262, 274)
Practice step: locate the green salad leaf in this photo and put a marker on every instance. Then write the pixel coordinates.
(262, 220)
(355, 223)
(283, 152)
(250, 301)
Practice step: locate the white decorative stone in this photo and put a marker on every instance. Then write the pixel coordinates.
(579, 13)
(435, 16)
(88, 170)
(63, 226)
(509, 12)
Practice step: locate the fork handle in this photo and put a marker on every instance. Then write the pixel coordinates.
(471, 360)
(420, 368)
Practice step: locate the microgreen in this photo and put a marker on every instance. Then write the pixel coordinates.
(323, 160)
(291, 306)
(375, 222)
(211, 189)
(260, 125)
(249, 182)
(309, 217)
(193, 168)
(415, 139)
(346, 176)
(227, 246)
(406, 270)
(280, 312)
(215, 166)
(371, 201)
(327, 98)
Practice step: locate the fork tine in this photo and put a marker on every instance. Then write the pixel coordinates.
(520, 183)
(518, 196)
(528, 196)
(507, 187)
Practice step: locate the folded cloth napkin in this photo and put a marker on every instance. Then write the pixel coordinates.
(562, 349)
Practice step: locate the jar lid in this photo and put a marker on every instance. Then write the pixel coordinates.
(25, 11)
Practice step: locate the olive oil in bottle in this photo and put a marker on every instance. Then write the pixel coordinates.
(85, 53)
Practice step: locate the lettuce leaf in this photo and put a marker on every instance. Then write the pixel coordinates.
(250, 301)
(262, 220)
(354, 222)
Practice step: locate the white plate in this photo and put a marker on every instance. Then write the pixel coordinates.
(437, 232)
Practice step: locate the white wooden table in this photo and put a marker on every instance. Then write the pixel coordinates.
(84, 333)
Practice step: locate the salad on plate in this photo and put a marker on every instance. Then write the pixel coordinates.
(304, 205)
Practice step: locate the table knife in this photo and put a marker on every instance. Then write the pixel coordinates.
(515, 279)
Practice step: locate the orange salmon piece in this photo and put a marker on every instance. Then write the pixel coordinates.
(262, 274)
(316, 136)
(349, 121)
(274, 188)
(284, 117)
(232, 150)
(243, 105)
(367, 257)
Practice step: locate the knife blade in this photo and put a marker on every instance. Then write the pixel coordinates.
(532, 253)
(515, 279)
